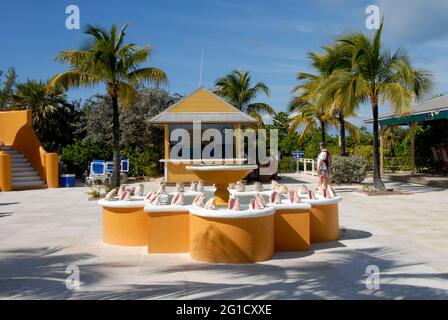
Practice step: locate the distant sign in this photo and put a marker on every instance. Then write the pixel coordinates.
(298, 154)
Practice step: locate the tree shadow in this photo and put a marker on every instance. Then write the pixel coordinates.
(8, 203)
(5, 214)
(39, 273)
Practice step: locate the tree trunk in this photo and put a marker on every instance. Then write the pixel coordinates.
(342, 151)
(116, 143)
(322, 128)
(377, 182)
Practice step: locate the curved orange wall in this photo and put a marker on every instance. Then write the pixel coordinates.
(232, 240)
(16, 130)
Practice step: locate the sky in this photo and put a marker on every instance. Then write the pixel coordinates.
(270, 39)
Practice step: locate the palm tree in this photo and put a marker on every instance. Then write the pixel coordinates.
(312, 116)
(108, 59)
(7, 88)
(375, 75)
(310, 107)
(237, 90)
(51, 113)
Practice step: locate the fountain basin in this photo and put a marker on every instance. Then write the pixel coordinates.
(124, 223)
(222, 236)
(221, 176)
(292, 226)
(324, 219)
(168, 228)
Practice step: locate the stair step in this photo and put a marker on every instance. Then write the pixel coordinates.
(23, 169)
(21, 165)
(25, 179)
(17, 156)
(31, 184)
(29, 173)
(19, 160)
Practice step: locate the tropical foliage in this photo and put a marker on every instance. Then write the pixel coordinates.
(237, 89)
(311, 110)
(7, 87)
(109, 60)
(364, 70)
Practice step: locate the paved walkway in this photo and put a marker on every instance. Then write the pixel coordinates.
(44, 231)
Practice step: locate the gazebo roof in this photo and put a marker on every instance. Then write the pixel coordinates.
(202, 105)
(433, 109)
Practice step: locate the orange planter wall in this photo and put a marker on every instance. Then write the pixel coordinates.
(16, 130)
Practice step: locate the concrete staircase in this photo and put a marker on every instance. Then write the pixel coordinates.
(24, 176)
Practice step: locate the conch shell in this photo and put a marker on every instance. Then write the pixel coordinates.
(194, 186)
(180, 187)
(294, 197)
(199, 200)
(282, 188)
(274, 185)
(260, 200)
(311, 195)
(111, 194)
(240, 186)
(331, 192)
(162, 187)
(178, 199)
(234, 204)
(303, 189)
(258, 186)
(139, 190)
(121, 190)
(210, 204)
(275, 197)
(125, 196)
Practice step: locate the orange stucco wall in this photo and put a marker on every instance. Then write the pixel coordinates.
(324, 223)
(125, 226)
(292, 230)
(225, 240)
(168, 232)
(16, 130)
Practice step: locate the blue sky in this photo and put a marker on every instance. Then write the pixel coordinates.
(269, 38)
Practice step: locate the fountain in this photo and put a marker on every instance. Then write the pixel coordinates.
(222, 176)
(246, 234)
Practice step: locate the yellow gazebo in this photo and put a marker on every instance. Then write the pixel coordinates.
(204, 107)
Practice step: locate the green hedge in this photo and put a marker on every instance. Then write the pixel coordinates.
(352, 169)
(76, 156)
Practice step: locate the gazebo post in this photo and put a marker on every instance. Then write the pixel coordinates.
(412, 127)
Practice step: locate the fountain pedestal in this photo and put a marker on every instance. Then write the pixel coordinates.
(221, 176)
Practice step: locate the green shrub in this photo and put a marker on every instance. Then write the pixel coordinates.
(143, 163)
(352, 169)
(76, 157)
(287, 164)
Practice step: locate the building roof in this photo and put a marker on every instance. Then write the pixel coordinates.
(202, 105)
(433, 109)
